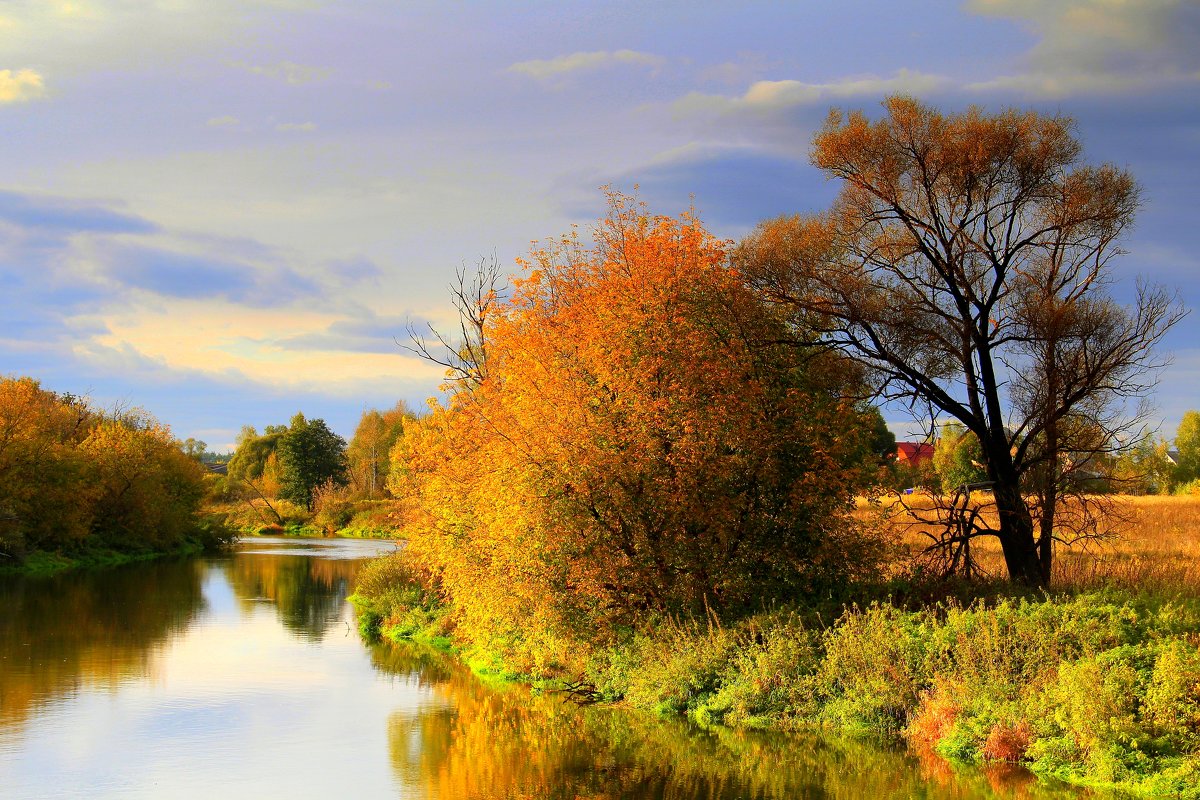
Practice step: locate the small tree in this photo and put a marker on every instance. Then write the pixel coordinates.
(310, 455)
(1187, 443)
(956, 457)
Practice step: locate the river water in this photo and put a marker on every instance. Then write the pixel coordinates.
(243, 676)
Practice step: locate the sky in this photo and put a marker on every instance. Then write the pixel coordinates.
(228, 211)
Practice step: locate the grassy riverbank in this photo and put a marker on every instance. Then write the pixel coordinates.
(1098, 684)
(209, 535)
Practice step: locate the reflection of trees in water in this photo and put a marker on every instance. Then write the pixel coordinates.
(84, 628)
(307, 592)
(476, 742)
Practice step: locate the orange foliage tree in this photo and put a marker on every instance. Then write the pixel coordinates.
(631, 434)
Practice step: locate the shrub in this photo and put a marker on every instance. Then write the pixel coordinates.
(394, 593)
(874, 668)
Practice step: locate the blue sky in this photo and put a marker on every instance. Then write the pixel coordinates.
(227, 211)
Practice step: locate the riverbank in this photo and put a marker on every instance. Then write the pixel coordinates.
(366, 519)
(207, 533)
(1099, 688)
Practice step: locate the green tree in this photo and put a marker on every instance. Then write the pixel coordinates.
(881, 441)
(250, 460)
(194, 448)
(1187, 442)
(1142, 468)
(957, 457)
(309, 455)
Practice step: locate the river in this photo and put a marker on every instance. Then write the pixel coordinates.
(243, 676)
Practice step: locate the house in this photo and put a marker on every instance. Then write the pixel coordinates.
(913, 454)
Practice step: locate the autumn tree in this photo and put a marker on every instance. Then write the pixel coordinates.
(640, 440)
(43, 478)
(309, 455)
(965, 264)
(71, 475)
(369, 452)
(145, 489)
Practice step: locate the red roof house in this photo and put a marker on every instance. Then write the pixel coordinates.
(913, 453)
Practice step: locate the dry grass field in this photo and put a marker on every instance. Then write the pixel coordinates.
(1154, 545)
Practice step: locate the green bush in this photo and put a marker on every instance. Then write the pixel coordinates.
(771, 681)
(391, 594)
(873, 671)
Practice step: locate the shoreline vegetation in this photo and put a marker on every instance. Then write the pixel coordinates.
(82, 486)
(1096, 684)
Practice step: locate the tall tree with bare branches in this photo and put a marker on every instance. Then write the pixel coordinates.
(966, 264)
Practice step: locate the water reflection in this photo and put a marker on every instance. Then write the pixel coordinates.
(307, 593)
(243, 676)
(471, 741)
(87, 629)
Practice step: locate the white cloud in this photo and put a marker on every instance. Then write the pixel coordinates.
(296, 126)
(21, 85)
(1099, 46)
(287, 71)
(218, 338)
(544, 69)
(226, 121)
(770, 96)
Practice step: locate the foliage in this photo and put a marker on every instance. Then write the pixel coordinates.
(394, 593)
(73, 478)
(964, 265)
(631, 440)
(956, 457)
(252, 460)
(309, 455)
(369, 452)
(145, 490)
(1187, 442)
(1142, 468)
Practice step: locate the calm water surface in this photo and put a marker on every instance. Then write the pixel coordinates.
(243, 677)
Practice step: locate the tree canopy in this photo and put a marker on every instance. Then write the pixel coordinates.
(309, 455)
(1187, 443)
(71, 475)
(637, 439)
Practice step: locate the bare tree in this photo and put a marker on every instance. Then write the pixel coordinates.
(966, 264)
(476, 293)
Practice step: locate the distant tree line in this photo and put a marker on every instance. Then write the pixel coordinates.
(307, 465)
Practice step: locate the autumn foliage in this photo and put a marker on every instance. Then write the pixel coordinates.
(633, 436)
(72, 476)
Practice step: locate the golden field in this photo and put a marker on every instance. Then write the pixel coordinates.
(1153, 544)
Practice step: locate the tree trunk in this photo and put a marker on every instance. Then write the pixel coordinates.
(1046, 539)
(1016, 535)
